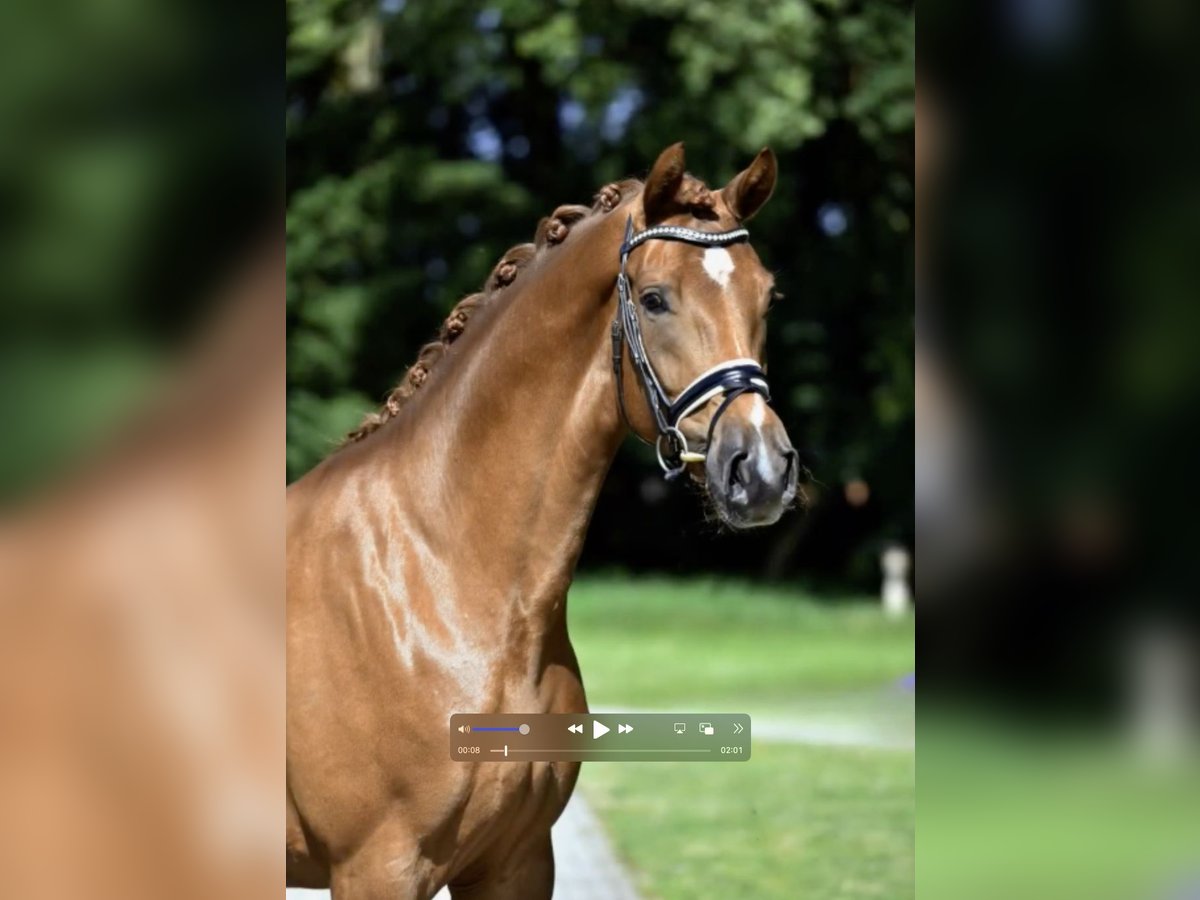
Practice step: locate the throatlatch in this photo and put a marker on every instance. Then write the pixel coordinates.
(731, 379)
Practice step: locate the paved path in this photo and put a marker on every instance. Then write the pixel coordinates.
(586, 867)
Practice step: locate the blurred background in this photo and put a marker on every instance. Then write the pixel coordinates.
(140, 163)
(1057, 385)
(141, 449)
(423, 140)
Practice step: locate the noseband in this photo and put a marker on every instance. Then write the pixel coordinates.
(729, 379)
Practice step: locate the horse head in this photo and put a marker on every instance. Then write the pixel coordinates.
(699, 295)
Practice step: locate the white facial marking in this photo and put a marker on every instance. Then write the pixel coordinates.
(766, 471)
(719, 265)
(758, 415)
(762, 462)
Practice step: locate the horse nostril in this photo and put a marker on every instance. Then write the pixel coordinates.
(735, 470)
(789, 470)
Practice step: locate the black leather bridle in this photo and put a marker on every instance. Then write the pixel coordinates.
(729, 379)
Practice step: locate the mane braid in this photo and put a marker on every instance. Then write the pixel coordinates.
(551, 231)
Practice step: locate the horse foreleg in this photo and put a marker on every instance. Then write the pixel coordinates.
(303, 871)
(387, 868)
(528, 875)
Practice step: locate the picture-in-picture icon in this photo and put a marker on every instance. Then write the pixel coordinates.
(706, 728)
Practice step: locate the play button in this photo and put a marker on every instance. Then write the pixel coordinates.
(598, 729)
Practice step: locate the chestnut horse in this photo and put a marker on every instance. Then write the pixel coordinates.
(429, 558)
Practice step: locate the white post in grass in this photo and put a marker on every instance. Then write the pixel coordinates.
(896, 594)
(1163, 679)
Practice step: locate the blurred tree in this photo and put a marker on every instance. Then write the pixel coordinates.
(140, 161)
(425, 138)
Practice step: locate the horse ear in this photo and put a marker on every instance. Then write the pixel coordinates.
(751, 188)
(662, 185)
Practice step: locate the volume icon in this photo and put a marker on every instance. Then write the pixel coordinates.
(464, 729)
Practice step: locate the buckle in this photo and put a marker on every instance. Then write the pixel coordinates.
(678, 451)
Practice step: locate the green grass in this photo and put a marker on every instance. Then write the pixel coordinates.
(718, 644)
(794, 820)
(790, 822)
(1077, 809)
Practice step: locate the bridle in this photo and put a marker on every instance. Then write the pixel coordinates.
(730, 379)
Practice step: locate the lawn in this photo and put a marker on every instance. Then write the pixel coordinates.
(719, 645)
(796, 820)
(1010, 809)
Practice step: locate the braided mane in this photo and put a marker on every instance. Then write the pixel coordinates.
(551, 231)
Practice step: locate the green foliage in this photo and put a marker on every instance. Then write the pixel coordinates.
(313, 423)
(425, 138)
(135, 172)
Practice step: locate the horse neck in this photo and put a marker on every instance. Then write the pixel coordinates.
(501, 466)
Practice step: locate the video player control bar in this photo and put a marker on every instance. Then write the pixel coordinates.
(615, 737)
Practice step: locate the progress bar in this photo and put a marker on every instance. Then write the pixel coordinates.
(617, 737)
(507, 750)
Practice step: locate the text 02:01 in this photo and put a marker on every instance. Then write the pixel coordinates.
(729, 750)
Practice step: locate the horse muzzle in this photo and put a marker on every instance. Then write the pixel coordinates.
(751, 475)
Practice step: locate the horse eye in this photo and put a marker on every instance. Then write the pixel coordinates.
(654, 302)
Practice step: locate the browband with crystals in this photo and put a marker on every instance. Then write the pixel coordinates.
(730, 379)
